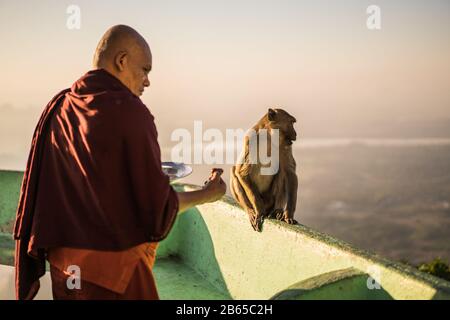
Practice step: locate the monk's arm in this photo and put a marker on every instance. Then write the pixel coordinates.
(191, 199)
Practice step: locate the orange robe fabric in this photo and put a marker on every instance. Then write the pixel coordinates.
(103, 275)
(93, 178)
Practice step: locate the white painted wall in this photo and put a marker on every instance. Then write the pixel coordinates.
(7, 291)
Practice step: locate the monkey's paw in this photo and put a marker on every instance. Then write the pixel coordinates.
(278, 214)
(290, 221)
(253, 219)
(256, 221)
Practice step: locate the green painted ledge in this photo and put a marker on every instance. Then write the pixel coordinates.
(212, 252)
(347, 284)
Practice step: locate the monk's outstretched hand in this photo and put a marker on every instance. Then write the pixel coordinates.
(213, 189)
(215, 186)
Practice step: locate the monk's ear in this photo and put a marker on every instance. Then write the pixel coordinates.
(271, 115)
(121, 60)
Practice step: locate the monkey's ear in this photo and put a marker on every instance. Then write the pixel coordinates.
(271, 114)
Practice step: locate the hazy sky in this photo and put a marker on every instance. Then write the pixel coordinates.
(225, 62)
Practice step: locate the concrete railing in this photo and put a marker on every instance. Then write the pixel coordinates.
(289, 261)
(281, 262)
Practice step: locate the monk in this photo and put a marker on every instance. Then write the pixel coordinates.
(94, 195)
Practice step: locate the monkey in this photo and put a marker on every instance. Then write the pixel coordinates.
(267, 195)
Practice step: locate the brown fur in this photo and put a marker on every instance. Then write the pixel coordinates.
(264, 196)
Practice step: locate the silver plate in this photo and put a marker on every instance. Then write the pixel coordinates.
(176, 170)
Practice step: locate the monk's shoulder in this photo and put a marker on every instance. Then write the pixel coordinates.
(133, 116)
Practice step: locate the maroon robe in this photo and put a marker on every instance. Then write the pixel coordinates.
(93, 178)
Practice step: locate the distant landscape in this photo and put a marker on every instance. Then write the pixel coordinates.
(391, 200)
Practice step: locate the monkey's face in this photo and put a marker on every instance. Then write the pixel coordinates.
(283, 121)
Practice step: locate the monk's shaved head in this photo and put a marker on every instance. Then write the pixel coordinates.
(124, 53)
(116, 39)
